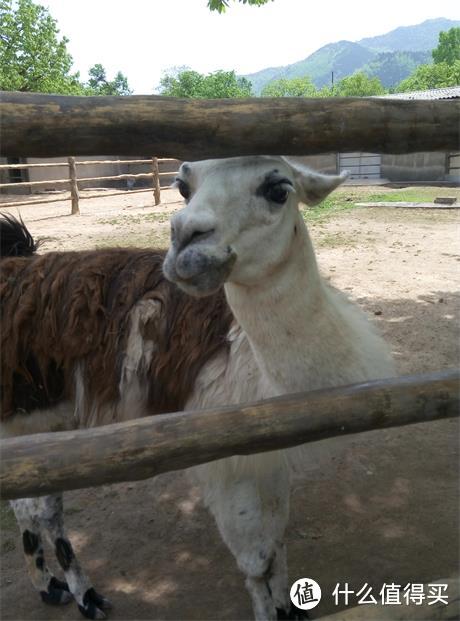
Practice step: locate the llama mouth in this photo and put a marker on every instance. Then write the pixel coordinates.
(199, 272)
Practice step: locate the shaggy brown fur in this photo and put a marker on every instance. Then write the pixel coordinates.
(62, 308)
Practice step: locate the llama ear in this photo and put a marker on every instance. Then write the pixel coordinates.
(312, 187)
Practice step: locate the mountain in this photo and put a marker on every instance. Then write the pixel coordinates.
(422, 37)
(391, 57)
(392, 67)
(344, 56)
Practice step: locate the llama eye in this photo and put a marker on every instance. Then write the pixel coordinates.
(277, 194)
(183, 189)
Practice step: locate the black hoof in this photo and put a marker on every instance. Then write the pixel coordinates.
(57, 594)
(293, 614)
(94, 605)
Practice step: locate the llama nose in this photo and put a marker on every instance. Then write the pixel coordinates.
(186, 236)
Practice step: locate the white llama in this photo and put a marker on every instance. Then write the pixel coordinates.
(242, 228)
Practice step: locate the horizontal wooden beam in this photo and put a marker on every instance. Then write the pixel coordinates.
(53, 125)
(90, 162)
(141, 448)
(84, 163)
(33, 201)
(26, 184)
(82, 197)
(20, 184)
(115, 177)
(22, 166)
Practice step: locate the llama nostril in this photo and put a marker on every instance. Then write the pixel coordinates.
(197, 236)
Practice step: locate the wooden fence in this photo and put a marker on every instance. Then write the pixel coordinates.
(72, 181)
(44, 125)
(141, 448)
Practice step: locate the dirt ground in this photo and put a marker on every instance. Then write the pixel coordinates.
(374, 508)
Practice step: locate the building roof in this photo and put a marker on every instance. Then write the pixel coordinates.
(451, 92)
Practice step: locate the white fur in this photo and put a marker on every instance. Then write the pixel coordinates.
(57, 418)
(134, 381)
(293, 333)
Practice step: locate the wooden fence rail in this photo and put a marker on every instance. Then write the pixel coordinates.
(45, 125)
(139, 449)
(73, 180)
(80, 163)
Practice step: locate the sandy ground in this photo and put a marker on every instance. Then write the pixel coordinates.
(377, 507)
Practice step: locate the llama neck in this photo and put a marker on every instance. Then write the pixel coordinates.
(281, 316)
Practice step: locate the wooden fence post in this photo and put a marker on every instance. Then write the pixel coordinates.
(73, 186)
(156, 181)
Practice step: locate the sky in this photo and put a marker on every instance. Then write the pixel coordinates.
(145, 38)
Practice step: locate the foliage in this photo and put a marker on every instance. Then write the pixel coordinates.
(444, 72)
(191, 84)
(33, 57)
(392, 67)
(358, 85)
(222, 5)
(448, 49)
(99, 85)
(425, 77)
(296, 87)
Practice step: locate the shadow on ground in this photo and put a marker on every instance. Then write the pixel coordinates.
(374, 508)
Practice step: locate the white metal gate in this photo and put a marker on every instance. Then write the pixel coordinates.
(361, 165)
(453, 166)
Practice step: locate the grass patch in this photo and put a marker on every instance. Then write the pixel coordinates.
(7, 519)
(412, 195)
(72, 510)
(8, 546)
(346, 197)
(337, 240)
(137, 219)
(134, 240)
(333, 204)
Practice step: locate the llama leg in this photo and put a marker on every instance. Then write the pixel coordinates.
(52, 590)
(279, 587)
(251, 510)
(90, 603)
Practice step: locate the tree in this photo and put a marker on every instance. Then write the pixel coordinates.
(185, 82)
(97, 77)
(425, 77)
(222, 5)
(33, 57)
(119, 85)
(444, 72)
(295, 87)
(181, 82)
(99, 85)
(358, 85)
(448, 49)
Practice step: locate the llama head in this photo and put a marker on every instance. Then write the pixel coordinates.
(240, 218)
